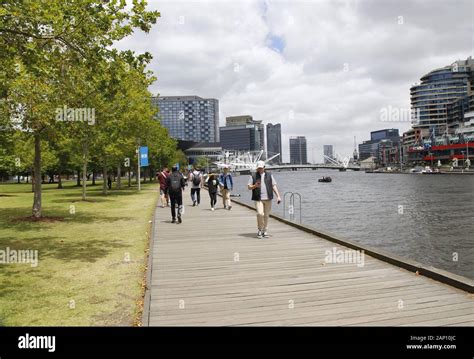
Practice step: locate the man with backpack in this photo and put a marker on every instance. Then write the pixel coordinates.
(176, 183)
(196, 185)
(263, 185)
(226, 184)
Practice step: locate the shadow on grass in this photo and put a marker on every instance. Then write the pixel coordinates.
(16, 218)
(81, 249)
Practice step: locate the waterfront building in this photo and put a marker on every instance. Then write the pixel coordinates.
(381, 143)
(242, 133)
(298, 150)
(210, 150)
(274, 142)
(189, 118)
(443, 96)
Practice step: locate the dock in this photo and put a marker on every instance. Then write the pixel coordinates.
(211, 270)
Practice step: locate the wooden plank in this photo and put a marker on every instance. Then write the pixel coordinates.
(194, 262)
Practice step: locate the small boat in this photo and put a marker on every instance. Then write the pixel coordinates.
(325, 179)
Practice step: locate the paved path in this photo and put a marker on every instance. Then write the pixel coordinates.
(212, 270)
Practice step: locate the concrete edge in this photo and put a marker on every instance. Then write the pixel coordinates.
(437, 274)
(149, 269)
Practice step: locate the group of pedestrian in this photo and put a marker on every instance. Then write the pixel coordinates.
(262, 184)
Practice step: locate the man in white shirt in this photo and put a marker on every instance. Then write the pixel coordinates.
(263, 185)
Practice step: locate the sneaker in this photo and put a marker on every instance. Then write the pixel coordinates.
(259, 235)
(265, 234)
(194, 203)
(212, 208)
(179, 219)
(230, 207)
(225, 207)
(173, 220)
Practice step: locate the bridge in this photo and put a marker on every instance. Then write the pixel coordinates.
(296, 167)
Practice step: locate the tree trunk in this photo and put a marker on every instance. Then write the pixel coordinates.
(119, 176)
(129, 177)
(93, 178)
(84, 171)
(18, 179)
(78, 184)
(37, 181)
(60, 182)
(104, 185)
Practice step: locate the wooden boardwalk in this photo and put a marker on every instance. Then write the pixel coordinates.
(211, 270)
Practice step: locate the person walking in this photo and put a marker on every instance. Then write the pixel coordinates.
(263, 185)
(162, 176)
(226, 184)
(212, 185)
(196, 185)
(176, 183)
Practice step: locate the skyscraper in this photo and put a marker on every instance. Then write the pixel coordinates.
(442, 98)
(189, 118)
(274, 142)
(328, 151)
(298, 150)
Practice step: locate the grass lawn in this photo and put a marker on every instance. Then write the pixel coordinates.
(91, 262)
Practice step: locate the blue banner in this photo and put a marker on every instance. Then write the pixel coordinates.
(177, 166)
(144, 156)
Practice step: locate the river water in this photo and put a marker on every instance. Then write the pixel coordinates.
(427, 218)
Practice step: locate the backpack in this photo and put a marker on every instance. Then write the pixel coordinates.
(197, 179)
(175, 183)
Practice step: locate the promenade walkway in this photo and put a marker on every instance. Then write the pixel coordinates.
(211, 270)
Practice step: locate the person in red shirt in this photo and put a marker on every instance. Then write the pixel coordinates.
(162, 176)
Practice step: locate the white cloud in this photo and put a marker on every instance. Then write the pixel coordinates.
(198, 45)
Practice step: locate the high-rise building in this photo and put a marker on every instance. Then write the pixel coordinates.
(388, 138)
(298, 150)
(242, 133)
(328, 151)
(442, 98)
(274, 142)
(189, 118)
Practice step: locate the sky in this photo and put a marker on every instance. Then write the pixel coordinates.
(324, 69)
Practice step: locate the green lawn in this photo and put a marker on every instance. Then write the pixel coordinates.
(90, 264)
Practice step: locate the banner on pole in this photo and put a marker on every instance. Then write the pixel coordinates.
(144, 156)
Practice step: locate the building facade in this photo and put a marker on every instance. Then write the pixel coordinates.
(298, 150)
(189, 118)
(274, 142)
(242, 133)
(380, 144)
(443, 96)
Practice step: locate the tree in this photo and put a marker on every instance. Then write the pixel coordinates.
(37, 39)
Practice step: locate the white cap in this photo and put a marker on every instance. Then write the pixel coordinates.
(260, 164)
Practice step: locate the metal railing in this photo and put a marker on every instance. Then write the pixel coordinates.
(291, 205)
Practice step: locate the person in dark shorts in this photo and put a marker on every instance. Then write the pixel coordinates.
(176, 183)
(212, 185)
